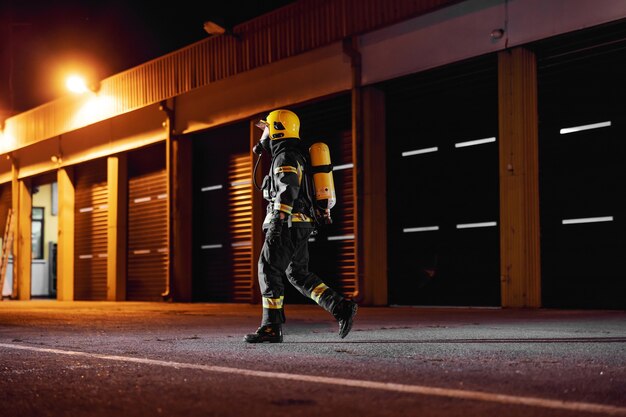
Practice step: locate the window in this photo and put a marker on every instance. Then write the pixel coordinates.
(37, 232)
(54, 209)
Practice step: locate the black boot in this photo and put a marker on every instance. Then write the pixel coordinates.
(272, 333)
(344, 312)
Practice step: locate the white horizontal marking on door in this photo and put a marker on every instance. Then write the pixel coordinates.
(344, 166)
(342, 237)
(472, 225)
(474, 142)
(238, 244)
(216, 246)
(588, 220)
(420, 229)
(211, 188)
(573, 129)
(420, 151)
(242, 182)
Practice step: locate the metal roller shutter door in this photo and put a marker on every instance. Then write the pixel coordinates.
(223, 215)
(90, 231)
(240, 225)
(581, 154)
(333, 249)
(443, 186)
(147, 236)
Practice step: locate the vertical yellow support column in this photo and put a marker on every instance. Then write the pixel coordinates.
(15, 205)
(374, 203)
(65, 240)
(117, 179)
(520, 267)
(22, 260)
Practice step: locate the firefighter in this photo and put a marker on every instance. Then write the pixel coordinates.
(287, 226)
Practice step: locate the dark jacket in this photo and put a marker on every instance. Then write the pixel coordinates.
(286, 183)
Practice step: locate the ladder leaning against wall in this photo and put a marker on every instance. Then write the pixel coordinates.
(7, 243)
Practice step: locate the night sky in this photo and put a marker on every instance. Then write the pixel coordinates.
(42, 40)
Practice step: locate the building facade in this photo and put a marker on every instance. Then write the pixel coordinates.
(476, 148)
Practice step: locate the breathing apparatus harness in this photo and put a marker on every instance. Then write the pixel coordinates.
(315, 205)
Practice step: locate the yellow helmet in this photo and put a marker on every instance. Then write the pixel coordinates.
(283, 124)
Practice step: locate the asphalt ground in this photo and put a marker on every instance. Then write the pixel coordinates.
(188, 359)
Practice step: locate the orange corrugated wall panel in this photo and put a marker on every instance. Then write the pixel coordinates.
(288, 31)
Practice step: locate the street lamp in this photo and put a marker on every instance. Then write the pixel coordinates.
(215, 29)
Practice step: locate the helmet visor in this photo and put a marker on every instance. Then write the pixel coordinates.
(266, 133)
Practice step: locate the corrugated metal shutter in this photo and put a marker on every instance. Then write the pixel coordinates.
(147, 236)
(223, 216)
(333, 249)
(90, 231)
(341, 234)
(240, 225)
(443, 186)
(581, 88)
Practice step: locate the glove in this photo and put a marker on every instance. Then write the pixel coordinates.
(258, 148)
(272, 235)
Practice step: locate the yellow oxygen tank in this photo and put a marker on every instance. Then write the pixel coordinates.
(325, 197)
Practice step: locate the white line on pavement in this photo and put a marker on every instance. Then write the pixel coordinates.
(386, 386)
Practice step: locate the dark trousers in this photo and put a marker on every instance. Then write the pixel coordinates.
(290, 257)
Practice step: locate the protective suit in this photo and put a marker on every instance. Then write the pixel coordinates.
(288, 225)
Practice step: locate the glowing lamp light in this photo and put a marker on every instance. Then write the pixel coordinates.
(7, 141)
(76, 84)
